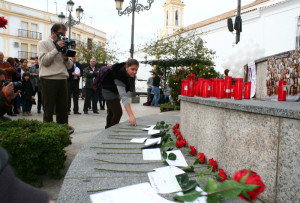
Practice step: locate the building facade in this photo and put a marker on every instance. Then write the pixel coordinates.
(27, 26)
(173, 12)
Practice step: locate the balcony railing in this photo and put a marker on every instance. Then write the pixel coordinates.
(29, 34)
(27, 55)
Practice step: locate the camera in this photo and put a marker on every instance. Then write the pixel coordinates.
(70, 45)
(17, 85)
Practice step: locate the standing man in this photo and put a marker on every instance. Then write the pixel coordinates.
(91, 73)
(54, 75)
(73, 85)
(35, 81)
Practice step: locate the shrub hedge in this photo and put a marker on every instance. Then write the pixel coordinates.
(36, 148)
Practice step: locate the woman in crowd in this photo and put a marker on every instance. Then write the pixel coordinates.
(116, 84)
(24, 67)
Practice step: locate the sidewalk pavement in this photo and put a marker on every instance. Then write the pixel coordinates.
(86, 127)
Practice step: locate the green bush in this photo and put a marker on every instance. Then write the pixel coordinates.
(165, 106)
(36, 148)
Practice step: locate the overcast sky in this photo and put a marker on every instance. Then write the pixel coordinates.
(102, 15)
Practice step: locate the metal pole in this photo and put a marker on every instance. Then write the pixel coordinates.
(70, 17)
(132, 30)
(238, 33)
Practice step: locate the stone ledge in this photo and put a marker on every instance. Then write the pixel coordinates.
(273, 108)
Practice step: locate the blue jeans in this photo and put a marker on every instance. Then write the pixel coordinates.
(26, 105)
(156, 92)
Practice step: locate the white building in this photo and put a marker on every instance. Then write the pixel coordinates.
(26, 26)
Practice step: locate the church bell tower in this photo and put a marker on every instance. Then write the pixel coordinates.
(173, 12)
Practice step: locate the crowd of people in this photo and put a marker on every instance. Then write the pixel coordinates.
(157, 92)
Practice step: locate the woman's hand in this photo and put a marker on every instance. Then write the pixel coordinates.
(132, 120)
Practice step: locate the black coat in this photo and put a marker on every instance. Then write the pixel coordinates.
(27, 90)
(90, 76)
(118, 72)
(70, 71)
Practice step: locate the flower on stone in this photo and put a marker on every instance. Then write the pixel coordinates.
(213, 163)
(201, 158)
(3, 22)
(222, 175)
(179, 144)
(192, 151)
(253, 179)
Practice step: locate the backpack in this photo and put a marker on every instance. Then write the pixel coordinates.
(98, 82)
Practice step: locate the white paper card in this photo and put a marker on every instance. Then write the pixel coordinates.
(153, 132)
(151, 141)
(171, 169)
(180, 160)
(164, 182)
(152, 154)
(77, 70)
(150, 127)
(132, 194)
(138, 140)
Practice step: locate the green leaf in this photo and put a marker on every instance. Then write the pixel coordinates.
(188, 197)
(162, 122)
(172, 156)
(246, 195)
(189, 186)
(250, 187)
(189, 169)
(210, 186)
(196, 161)
(243, 180)
(208, 171)
(164, 155)
(213, 198)
(184, 179)
(230, 189)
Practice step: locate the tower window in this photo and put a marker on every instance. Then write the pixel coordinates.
(176, 17)
(167, 18)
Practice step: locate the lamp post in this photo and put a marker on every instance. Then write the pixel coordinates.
(133, 7)
(71, 21)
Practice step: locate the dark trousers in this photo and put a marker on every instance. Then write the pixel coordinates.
(26, 105)
(90, 95)
(55, 94)
(39, 98)
(101, 100)
(114, 112)
(73, 90)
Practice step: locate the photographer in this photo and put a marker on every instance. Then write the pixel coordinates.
(53, 74)
(7, 95)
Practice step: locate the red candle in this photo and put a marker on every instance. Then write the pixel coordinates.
(184, 86)
(228, 81)
(206, 88)
(282, 91)
(213, 87)
(191, 84)
(200, 80)
(220, 89)
(247, 90)
(197, 88)
(238, 93)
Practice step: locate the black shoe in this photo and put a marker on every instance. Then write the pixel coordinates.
(96, 112)
(102, 108)
(77, 113)
(85, 112)
(11, 114)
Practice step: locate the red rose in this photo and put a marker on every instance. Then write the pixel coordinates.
(223, 175)
(177, 125)
(213, 163)
(183, 142)
(254, 179)
(201, 158)
(179, 137)
(3, 22)
(179, 144)
(193, 151)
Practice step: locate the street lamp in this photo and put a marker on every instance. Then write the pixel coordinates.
(133, 7)
(71, 21)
